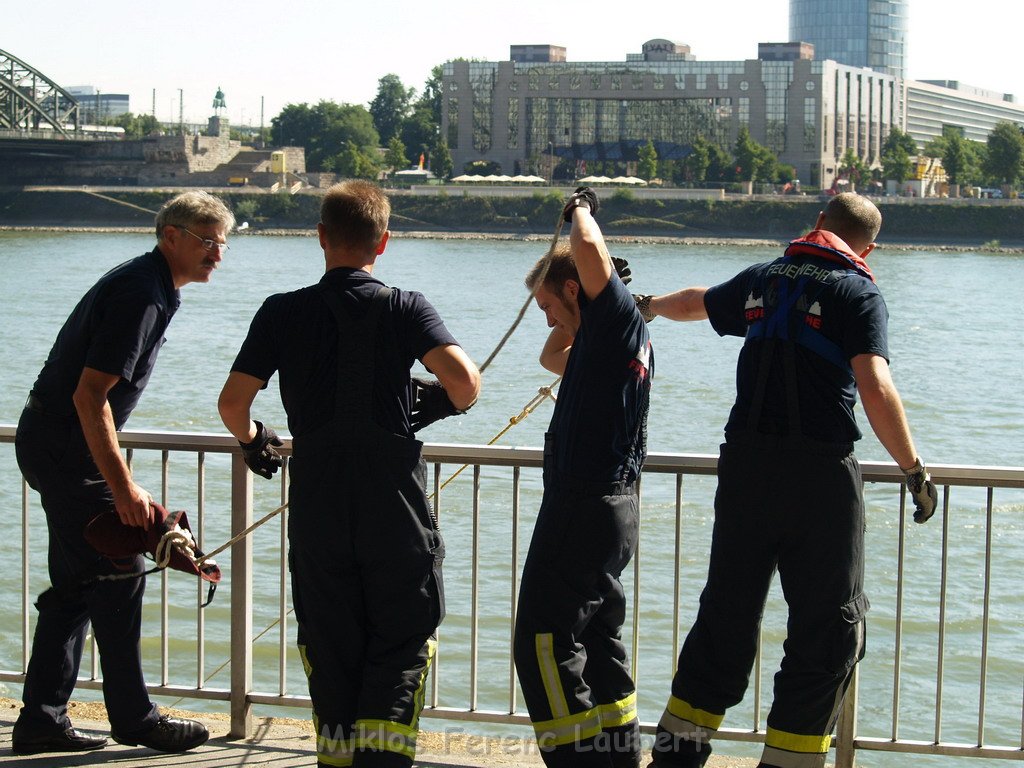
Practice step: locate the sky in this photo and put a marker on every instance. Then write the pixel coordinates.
(306, 51)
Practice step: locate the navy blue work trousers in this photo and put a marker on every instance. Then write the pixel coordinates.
(570, 658)
(55, 460)
(365, 555)
(799, 512)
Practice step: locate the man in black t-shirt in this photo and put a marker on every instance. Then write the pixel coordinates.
(365, 550)
(572, 664)
(790, 493)
(67, 449)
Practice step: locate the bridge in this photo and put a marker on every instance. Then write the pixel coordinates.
(30, 101)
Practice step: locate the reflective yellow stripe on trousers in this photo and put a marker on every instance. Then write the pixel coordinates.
(794, 750)
(565, 728)
(391, 736)
(379, 735)
(688, 722)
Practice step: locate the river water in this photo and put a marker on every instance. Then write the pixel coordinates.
(957, 359)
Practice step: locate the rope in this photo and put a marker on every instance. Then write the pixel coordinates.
(542, 394)
(115, 200)
(529, 299)
(235, 539)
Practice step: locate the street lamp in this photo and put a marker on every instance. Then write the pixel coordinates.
(551, 163)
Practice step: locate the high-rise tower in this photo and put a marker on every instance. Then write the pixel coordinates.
(860, 33)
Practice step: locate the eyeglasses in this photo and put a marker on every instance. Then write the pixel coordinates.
(208, 244)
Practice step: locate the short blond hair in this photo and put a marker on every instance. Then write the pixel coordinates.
(355, 214)
(854, 218)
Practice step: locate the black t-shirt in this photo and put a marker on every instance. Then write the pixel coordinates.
(296, 334)
(831, 314)
(118, 328)
(600, 417)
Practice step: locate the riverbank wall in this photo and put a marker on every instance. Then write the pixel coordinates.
(623, 213)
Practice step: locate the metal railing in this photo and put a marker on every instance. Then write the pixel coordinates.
(966, 560)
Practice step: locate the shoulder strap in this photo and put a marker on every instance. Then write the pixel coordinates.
(353, 397)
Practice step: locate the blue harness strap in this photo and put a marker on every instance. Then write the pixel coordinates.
(788, 320)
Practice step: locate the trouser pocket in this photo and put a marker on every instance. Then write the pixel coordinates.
(850, 644)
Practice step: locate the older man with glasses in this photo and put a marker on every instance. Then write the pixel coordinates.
(68, 450)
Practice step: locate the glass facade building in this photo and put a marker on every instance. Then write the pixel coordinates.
(524, 115)
(859, 33)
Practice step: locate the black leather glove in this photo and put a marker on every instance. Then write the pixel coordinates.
(622, 269)
(430, 403)
(643, 303)
(582, 195)
(922, 490)
(259, 453)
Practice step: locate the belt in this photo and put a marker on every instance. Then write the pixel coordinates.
(619, 488)
(788, 443)
(34, 404)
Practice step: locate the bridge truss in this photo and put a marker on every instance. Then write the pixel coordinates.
(30, 101)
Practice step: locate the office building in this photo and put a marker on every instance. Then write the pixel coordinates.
(94, 106)
(858, 33)
(523, 115)
(935, 104)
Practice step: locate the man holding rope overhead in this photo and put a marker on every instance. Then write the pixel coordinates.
(790, 492)
(571, 661)
(365, 549)
(67, 449)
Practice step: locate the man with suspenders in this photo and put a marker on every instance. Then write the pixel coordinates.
(790, 492)
(365, 551)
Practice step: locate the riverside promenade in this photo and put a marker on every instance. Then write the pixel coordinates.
(276, 743)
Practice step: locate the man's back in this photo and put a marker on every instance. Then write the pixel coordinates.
(812, 315)
(296, 335)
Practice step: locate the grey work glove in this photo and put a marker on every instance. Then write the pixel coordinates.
(582, 196)
(430, 403)
(922, 490)
(622, 269)
(260, 454)
(643, 303)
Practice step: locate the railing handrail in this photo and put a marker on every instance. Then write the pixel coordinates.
(499, 455)
(242, 694)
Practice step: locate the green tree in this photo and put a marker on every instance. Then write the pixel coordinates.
(431, 96)
(852, 167)
(897, 139)
(135, 126)
(647, 168)
(354, 163)
(767, 165)
(396, 158)
(327, 130)
(390, 106)
(754, 162)
(954, 159)
(896, 164)
(720, 165)
(441, 160)
(746, 154)
(1005, 152)
(694, 167)
(421, 128)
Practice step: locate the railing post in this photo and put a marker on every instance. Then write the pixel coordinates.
(241, 600)
(846, 727)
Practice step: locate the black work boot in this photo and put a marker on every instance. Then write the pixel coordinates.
(67, 740)
(170, 734)
(672, 751)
